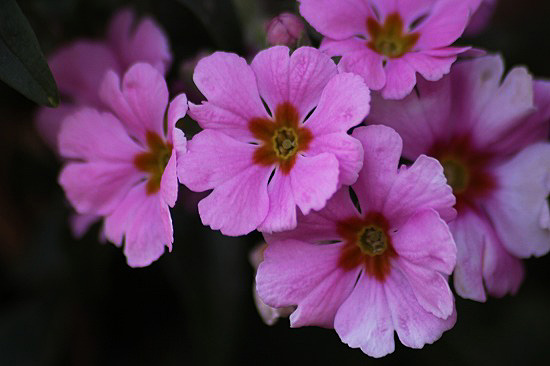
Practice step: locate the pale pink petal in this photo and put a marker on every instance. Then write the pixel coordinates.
(169, 181)
(145, 223)
(419, 187)
(382, 148)
(213, 158)
(338, 20)
(96, 136)
(366, 63)
(229, 84)
(314, 180)
(81, 223)
(48, 122)
(281, 215)
(176, 110)
(297, 273)
(140, 102)
(436, 251)
(334, 47)
(347, 150)
(400, 79)
(364, 320)
(454, 51)
(104, 186)
(444, 25)
(240, 204)
(180, 146)
(210, 116)
(431, 68)
(521, 200)
(79, 68)
(470, 235)
(414, 325)
(344, 103)
(141, 42)
(298, 79)
(410, 11)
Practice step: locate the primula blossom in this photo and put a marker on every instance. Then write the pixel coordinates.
(262, 163)
(375, 266)
(482, 12)
(389, 41)
(488, 133)
(121, 163)
(79, 67)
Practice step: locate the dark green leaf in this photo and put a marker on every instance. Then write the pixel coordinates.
(220, 19)
(22, 64)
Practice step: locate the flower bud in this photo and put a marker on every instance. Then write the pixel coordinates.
(285, 29)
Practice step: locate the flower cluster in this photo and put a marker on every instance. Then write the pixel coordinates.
(307, 150)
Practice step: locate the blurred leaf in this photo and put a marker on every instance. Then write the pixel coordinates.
(22, 64)
(220, 19)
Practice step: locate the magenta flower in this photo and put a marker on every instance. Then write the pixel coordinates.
(369, 270)
(79, 67)
(388, 41)
(262, 164)
(122, 162)
(488, 134)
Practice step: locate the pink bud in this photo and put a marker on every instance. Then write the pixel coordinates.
(285, 29)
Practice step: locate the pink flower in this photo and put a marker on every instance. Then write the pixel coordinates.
(487, 131)
(369, 270)
(122, 162)
(483, 10)
(285, 29)
(79, 67)
(262, 164)
(389, 41)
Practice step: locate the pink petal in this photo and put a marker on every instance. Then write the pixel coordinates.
(96, 136)
(314, 180)
(366, 63)
(298, 79)
(169, 181)
(141, 42)
(281, 215)
(81, 223)
(444, 25)
(212, 159)
(176, 110)
(400, 79)
(344, 103)
(419, 187)
(240, 204)
(347, 150)
(140, 102)
(340, 20)
(431, 68)
(144, 221)
(408, 10)
(79, 68)
(364, 320)
(414, 325)
(382, 148)
(48, 122)
(470, 234)
(334, 47)
(521, 200)
(210, 116)
(307, 275)
(229, 84)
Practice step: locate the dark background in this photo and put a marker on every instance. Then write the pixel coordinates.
(76, 302)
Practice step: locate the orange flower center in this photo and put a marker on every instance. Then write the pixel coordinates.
(281, 138)
(154, 161)
(388, 39)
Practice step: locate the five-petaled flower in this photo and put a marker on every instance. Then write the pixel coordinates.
(369, 266)
(489, 135)
(388, 41)
(262, 164)
(121, 163)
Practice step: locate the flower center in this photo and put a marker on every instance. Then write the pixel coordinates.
(388, 39)
(372, 240)
(154, 161)
(456, 174)
(281, 138)
(285, 142)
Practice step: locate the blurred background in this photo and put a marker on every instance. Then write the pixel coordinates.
(65, 301)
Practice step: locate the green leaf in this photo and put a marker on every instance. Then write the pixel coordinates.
(22, 64)
(220, 19)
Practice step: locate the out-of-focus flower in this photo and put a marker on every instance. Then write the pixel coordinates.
(488, 134)
(121, 163)
(388, 42)
(482, 12)
(369, 270)
(285, 29)
(263, 165)
(79, 67)
(268, 314)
